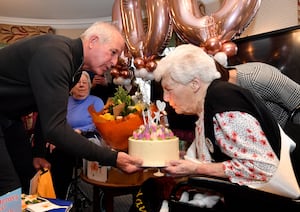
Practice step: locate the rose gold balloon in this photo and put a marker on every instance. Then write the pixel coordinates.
(234, 16)
(116, 15)
(139, 62)
(153, 40)
(125, 73)
(189, 23)
(212, 45)
(114, 72)
(229, 48)
(151, 65)
(132, 21)
(117, 20)
(159, 27)
(230, 20)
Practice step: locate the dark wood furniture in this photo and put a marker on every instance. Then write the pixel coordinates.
(118, 183)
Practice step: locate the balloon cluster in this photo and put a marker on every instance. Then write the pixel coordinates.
(148, 25)
(147, 28)
(145, 67)
(121, 73)
(214, 45)
(212, 32)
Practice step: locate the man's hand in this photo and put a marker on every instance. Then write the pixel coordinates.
(39, 163)
(50, 146)
(128, 163)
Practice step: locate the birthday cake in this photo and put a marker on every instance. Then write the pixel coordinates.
(155, 144)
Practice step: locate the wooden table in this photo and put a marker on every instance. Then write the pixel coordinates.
(118, 183)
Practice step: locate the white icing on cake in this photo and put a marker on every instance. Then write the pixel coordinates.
(154, 153)
(155, 144)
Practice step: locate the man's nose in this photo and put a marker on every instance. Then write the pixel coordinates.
(114, 61)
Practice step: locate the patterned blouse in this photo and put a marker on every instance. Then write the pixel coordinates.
(253, 160)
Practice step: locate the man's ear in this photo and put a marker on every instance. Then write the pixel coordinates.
(93, 41)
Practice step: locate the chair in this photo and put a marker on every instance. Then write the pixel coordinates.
(234, 197)
(75, 193)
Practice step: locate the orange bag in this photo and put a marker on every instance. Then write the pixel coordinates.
(42, 185)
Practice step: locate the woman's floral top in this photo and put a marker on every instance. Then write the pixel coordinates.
(253, 159)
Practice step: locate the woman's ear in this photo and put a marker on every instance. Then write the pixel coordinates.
(195, 84)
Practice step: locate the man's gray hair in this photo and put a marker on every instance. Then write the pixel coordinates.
(105, 30)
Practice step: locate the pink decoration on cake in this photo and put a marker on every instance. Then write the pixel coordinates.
(153, 142)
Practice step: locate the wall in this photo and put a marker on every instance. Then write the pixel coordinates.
(272, 15)
(72, 33)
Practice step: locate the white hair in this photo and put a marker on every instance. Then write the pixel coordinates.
(86, 74)
(185, 63)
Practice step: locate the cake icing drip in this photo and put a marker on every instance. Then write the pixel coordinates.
(152, 132)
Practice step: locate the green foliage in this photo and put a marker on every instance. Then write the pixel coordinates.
(122, 96)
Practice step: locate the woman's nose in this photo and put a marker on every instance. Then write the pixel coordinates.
(166, 97)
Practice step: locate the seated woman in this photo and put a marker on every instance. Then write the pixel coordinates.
(79, 101)
(78, 117)
(236, 136)
(279, 93)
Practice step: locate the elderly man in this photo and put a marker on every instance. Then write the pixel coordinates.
(36, 74)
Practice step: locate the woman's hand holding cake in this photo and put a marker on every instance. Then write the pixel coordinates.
(181, 167)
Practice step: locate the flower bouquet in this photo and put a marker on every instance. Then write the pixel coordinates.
(121, 115)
